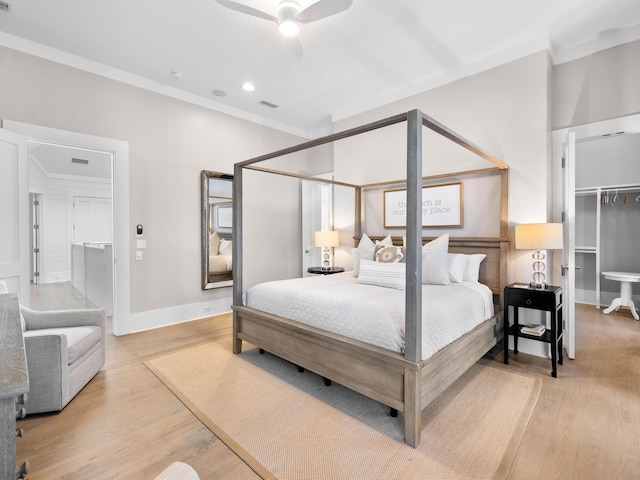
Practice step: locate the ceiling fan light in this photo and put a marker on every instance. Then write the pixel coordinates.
(288, 27)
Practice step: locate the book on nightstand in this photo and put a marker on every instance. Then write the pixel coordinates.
(533, 329)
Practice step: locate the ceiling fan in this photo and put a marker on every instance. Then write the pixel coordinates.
(290, 17)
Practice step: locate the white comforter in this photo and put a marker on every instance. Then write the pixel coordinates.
(372, 314)
(220, 263)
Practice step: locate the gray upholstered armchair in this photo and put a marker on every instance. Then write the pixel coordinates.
(65, 350)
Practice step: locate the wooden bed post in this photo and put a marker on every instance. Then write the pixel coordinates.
(412, 407)
(413, 293)
(236, 253)
(357, 230)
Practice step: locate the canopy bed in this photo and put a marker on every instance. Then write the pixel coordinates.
(403, 374)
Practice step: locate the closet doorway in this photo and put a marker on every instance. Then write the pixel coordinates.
(596, 181)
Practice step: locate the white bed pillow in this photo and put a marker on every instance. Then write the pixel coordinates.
(457, 266)
(472, 272)
(214, 243)
(435, 263)
(366, 251)
(390, 275)
(226, 247)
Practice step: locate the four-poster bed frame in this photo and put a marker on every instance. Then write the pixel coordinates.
(403, 382)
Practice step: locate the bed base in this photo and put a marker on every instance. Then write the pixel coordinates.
(380, 374)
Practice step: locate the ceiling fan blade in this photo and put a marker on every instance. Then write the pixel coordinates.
(294, 48)
(239, 7)
(322, 9)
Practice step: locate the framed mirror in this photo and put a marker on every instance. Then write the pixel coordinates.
(217, 229)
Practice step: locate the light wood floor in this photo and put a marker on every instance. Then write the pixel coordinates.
(126, 424)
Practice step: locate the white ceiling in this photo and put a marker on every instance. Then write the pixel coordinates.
(57, 161)
(375, 52)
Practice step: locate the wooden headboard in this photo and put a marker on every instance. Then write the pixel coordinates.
(494, 270)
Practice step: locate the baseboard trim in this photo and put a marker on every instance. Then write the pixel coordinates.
(149, 320)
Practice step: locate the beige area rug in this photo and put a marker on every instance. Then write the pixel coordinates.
(288, 425)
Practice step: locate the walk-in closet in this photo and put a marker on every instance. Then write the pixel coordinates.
(607, 215)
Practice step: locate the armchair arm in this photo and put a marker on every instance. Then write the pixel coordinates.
(36, 320)
(47, 360)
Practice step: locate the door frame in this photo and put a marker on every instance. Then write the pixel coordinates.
(120, 194)
(629, 123)
(317, 215)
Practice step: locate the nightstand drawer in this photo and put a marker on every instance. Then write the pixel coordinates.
(539, 301)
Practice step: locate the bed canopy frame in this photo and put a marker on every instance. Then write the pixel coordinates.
(408, 369)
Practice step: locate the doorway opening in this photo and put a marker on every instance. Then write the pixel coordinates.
(110, 178)
(567, 194)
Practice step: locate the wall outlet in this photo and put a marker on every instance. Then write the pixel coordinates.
(138, 254)
(206, 309)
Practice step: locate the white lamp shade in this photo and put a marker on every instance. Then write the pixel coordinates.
(539, 236)
(327, 239)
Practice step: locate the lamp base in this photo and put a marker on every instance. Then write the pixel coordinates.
(539, 286)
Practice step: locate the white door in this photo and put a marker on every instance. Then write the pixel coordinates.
(14, 214)
(569, 248)
(102, 215)
(92, 219)
(317, 215)
(81, 219)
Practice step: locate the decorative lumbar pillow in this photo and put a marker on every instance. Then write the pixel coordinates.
(366, 250)
(389, 254)
(457, 266)
(435, 263)
(472, 272)
(390, 275)
(214, 244)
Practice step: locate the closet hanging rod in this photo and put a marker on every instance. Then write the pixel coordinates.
(621, 188)
(609, 188)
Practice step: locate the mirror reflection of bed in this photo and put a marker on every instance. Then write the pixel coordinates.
(217, 229)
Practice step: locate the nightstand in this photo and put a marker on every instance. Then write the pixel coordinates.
(549, 300)
(325, 271)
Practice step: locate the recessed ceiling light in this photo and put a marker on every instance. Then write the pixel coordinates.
(219, 93)
(248, 87)
(177, 75)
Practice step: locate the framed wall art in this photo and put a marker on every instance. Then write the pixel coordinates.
(441, 206)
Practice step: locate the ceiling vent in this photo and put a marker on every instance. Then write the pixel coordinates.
(5, 6)
(268, 104)
(80, 161)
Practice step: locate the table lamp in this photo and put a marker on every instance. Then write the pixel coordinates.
(539, 237)
(327, 240)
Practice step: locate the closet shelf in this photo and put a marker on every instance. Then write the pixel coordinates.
(586, 249)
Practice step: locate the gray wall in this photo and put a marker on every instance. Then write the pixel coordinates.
(170, 141)
(503, 110)
(508, 110)
(597, 87)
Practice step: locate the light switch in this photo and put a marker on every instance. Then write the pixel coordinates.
(141, 244)
(138, 254)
